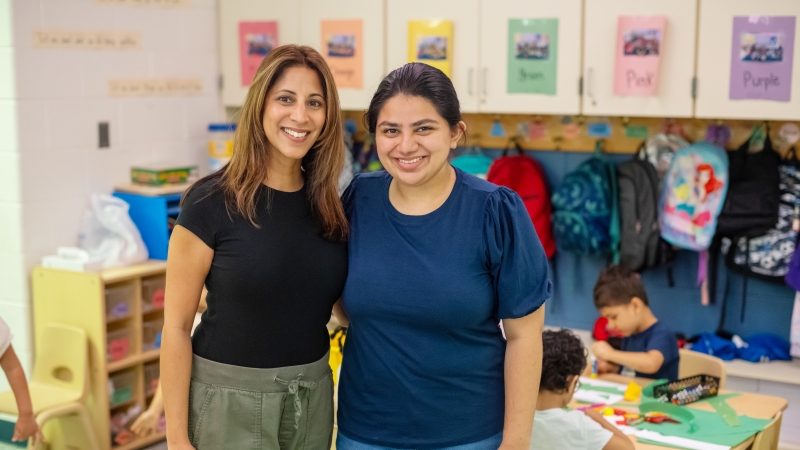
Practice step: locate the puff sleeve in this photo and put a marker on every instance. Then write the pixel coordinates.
(515, 256)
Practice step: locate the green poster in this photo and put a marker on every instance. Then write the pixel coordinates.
(532, 56)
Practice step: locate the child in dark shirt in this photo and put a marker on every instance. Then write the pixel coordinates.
(649, 347)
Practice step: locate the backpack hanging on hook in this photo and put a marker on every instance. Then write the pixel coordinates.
(585, 220)
(525, 176)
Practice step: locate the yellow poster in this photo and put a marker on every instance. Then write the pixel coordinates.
(343, 50)
(431, 42)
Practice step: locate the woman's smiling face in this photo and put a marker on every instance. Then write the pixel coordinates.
(294, 113)
(413, 139)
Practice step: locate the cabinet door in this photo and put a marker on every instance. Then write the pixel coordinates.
(677, 51)
(519, 82)
(370, 45)
(231, 13)
(716, 56)
(464, 15)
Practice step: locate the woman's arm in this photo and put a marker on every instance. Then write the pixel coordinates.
(341, 315)
(523, 369)
(187, 267)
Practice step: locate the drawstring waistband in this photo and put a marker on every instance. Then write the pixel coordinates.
(294, 389)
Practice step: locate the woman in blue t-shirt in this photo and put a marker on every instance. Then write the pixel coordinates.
(437, 259)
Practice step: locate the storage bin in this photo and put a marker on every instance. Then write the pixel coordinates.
(153, 293)
(120, 344)
(151, 334)
(119, 301)
(151, 376)
(120, 387)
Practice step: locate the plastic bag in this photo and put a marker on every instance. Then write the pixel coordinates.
(109, 233)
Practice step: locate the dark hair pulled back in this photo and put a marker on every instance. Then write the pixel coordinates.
(416, 80)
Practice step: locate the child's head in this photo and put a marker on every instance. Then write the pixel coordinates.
(563, 361)
(620, 297)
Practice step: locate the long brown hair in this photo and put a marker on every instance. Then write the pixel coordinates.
(241, 178)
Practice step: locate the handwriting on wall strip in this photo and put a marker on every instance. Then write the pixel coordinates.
(154, 87)
(87, 39)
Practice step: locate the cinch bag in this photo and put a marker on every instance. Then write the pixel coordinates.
(524, 175)
(694, 191)
(585, 219)
(751, 207)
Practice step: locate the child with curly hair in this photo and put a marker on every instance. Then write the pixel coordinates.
(563, 361)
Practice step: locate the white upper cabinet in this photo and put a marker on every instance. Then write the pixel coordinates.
(465, 45)
(357, 68)
(673, 95)
(530, 56)
(748, 66)
(231, 14)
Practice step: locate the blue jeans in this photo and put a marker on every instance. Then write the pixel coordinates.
(344, 443)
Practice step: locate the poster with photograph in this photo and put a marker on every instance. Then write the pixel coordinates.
(256, 39)
(640, 43)
(532, 56)
(343, 49)
(431, 42)
(762, 52)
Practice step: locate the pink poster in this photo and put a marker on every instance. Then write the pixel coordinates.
(256, 39)
(639, 47)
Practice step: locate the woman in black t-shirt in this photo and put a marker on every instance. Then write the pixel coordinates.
(265, 235)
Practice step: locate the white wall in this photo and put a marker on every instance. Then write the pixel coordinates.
(13, 299)
(60, 95)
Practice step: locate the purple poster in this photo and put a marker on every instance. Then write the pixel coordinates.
(761, 58)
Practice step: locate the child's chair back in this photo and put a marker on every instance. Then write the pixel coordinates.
(695, 363)
(768, 438)
(62, 359)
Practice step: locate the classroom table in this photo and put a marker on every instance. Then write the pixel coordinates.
(754, 405)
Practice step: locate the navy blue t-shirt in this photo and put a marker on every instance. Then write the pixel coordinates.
(423, 360)
(657, 337)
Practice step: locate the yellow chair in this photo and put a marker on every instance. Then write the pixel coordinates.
(768, 438)
(59, 385)
(695, 363)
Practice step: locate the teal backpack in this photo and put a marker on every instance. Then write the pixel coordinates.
(585, 218)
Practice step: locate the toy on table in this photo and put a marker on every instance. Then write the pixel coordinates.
(633, 392)
(687, 390)
(594, 366)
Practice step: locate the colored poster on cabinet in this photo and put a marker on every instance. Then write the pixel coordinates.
(343, 49)
(256, 39)
(532, 56)
(762, 54)
(431, 42)
(639, 46)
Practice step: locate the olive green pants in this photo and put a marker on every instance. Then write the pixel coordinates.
(285, 408)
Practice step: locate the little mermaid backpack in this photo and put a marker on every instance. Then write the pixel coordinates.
(694, 191)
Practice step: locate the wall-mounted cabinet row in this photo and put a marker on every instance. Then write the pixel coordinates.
(551, 56)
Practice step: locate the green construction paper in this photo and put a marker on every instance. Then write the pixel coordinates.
(648, 390)
(710, 427)
(724, 409)
(532, 72)
(607, 390)
(636, 131)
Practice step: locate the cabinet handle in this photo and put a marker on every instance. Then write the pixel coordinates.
(590, 85)
(485, 75)
(470, 74)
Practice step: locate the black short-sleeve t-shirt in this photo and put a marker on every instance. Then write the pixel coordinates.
(270, 288)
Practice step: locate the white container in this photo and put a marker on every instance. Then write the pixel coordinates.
(220, 146)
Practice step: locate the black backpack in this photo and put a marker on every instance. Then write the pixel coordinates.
(751, 206)
(767, 257)
(637, 184)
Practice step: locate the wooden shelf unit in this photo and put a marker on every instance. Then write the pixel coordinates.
(78, 298)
